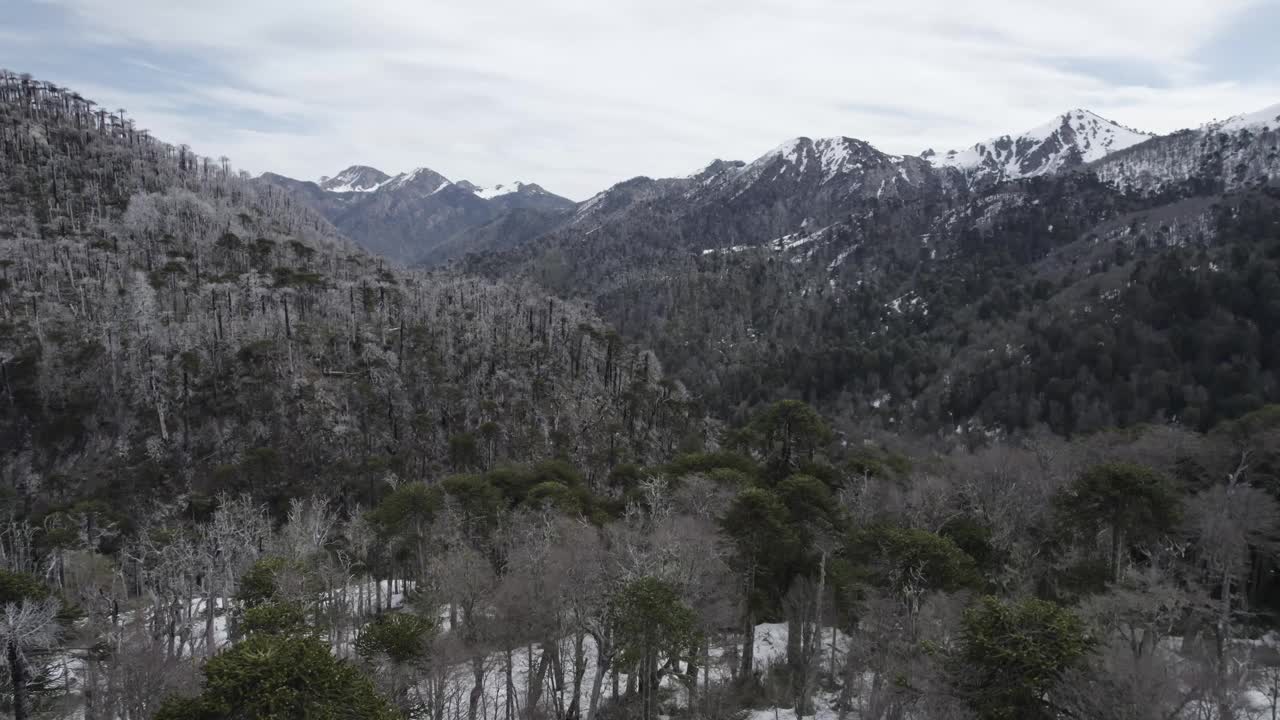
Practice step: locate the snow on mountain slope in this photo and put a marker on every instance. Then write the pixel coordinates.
(830, 157)
(493, 191)
(1239, 152)
(425, 179)
(357, 178)
(1267, 118)
(1074, 138)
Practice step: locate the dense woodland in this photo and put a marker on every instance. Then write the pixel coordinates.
(1057, 301)
(250, 471)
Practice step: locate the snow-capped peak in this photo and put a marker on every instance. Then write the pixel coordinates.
(1073, 138)
(422, 178)
(357, 178)
(832, 155)
(1266, 118)
(493, 191)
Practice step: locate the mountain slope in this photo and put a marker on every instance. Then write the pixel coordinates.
(896, 290)
(171, 331)
(1072, 139)
(406, 217)
(357, 178)
(1240, 152)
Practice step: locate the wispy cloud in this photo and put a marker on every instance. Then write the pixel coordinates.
(579, 95)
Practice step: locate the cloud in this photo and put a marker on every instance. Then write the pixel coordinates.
(577, 95)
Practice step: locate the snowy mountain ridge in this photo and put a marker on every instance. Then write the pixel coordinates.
(1074, 138)
(1267, 118)
(357, 178)
(365, 179)
(833, 155)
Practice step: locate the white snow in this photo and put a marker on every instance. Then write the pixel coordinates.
(841, 258)
(352, 188)
(349, 180)
(355, 179)
(590, 203)
(1266, 118)
(403, 179)
(726, 250)
(499, 190)
(792, 241)
(835, 155)
(912, 302)
(791, 151)
(1095, 136)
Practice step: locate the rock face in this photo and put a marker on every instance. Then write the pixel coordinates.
(406, 218)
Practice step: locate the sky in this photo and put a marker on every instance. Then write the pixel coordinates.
(579, 94)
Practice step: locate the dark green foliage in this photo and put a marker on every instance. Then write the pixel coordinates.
(475, 495)
(288, 277)
(877, 463)
(558, 495)
(402, 637)
(758, 529)
(16, 587)
(411, 505)
(625, 477)
(710, 462)
(789, 432)
(273, 618)
(270, 677)
(464, 452)
(1132, 501)
(1012, 655)
(911, 561)
(812, 512)
(260, 585)
(971, 536)
(654, 630)
(649, 618)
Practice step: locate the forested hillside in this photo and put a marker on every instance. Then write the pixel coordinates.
(1138, 288)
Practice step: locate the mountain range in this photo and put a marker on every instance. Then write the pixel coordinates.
(233, 443)
(423, 218)
(897, 289)
(956, 290)
(412, 217)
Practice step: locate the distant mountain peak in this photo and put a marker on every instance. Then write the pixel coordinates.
(1073, 138)
(422, 179)
(357, 178)
(828, 157)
